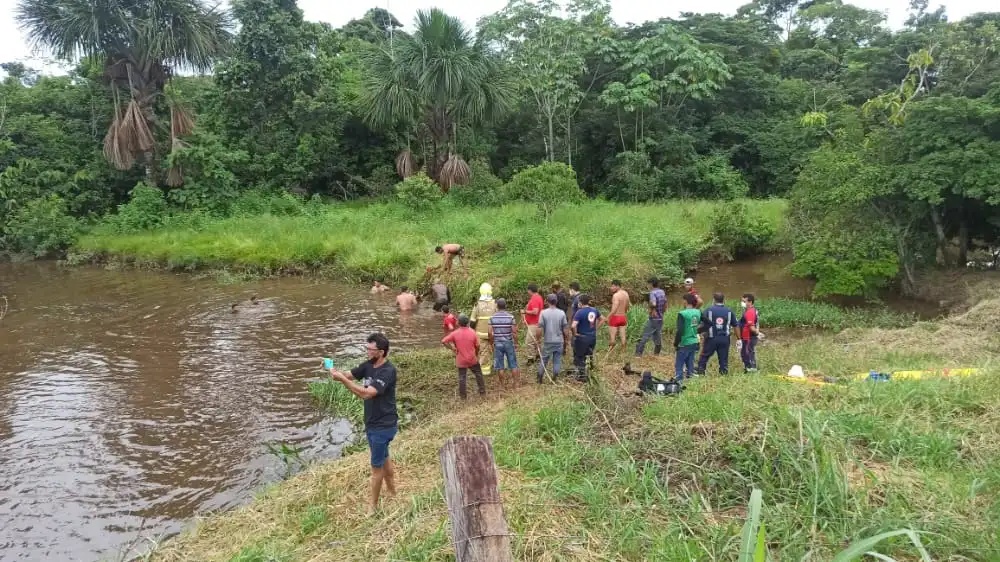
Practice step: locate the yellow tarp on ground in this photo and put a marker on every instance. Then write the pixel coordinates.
(894, 375)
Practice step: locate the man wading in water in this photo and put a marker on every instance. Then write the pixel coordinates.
(441, 294)
(378, 390)
(405, 300)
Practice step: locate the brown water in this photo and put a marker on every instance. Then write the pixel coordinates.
(131, 396)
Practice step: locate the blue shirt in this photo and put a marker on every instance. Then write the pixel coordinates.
(718, 321)
(658, 300)
(586, 321)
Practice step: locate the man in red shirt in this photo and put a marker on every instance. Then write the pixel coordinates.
(531, 314)
(464, 342)
(450, 323)
(749, 329)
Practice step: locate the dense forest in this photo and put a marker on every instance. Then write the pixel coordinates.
(885, 142)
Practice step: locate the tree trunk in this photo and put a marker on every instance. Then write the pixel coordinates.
(942, 239)
(963, 241)
(569, 143)
(552, 140)
(908, 280)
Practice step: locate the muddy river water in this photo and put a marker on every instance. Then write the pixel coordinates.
(132, 401)
(131, 398)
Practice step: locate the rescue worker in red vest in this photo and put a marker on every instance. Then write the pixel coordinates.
(717, 322)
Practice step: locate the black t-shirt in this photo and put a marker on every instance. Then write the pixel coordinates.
(380, 411)
(562, 301)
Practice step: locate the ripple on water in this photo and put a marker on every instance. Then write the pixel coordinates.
(130, 398)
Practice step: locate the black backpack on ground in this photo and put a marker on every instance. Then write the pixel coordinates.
(652, 385)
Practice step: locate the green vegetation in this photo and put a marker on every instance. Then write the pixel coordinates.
(591, 242)
(888, 168)
(785, 313)
(594, 472)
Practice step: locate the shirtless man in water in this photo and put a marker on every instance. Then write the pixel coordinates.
(405, 300)
(378, 287)
(451, 251)
(618, 319)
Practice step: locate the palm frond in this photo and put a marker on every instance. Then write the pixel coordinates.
(406, 164)
(72, 29)
(133, 132)
(183, 34)
(455, 171)
(115, 151)
(181, 121)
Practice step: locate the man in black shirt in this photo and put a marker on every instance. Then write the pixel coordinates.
(378, 390)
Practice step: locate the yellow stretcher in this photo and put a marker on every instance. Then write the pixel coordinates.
(912, 375)
(893, 375)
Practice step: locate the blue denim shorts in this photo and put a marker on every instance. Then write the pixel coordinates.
(504, 350)
(378, 442)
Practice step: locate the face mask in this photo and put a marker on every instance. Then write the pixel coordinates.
(743, 304)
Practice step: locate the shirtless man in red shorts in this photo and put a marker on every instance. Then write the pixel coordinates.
(618, 319)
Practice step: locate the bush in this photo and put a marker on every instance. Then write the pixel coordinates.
(209, 173)
(740, 234)
(714, 178)
(418, 191)
(547, 185)
(263, 202)
(484, 188)
(146, 209)
(633, 178)
(41, 228)
(381, 181)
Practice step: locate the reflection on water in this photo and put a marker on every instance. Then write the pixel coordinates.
(129, 397)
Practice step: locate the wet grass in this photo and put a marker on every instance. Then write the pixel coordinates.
(596, 473)
(508, 246)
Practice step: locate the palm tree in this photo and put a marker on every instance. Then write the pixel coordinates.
(431, 82)
(140, 44)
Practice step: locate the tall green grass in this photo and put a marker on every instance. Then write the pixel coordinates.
(835, 466)
(509, 246)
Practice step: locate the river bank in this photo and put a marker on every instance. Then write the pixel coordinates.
(835, 463)
(508, 246)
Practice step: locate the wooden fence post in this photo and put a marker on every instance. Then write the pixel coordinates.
(479, 528)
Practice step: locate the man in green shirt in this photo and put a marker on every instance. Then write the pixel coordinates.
(686, 337)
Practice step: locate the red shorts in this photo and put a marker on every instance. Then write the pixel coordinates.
(617, 320)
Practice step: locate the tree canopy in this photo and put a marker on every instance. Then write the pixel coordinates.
(885, 141)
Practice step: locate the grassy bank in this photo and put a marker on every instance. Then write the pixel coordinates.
(835, 463)
(509, 246)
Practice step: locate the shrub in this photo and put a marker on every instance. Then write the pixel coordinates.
(712, 177)
(739, 233)
(146, 209)
(633, 178)
(418, 191)
(381, 181)
(264, 202)
(484, 188)
(208, 169)
(41, 227)
(547, 185)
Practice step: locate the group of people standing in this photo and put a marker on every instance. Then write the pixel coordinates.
(710, 330)
(486, 340)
